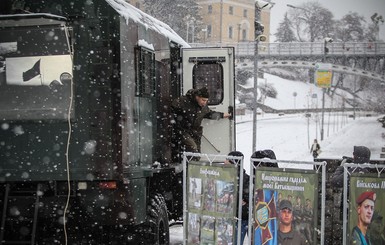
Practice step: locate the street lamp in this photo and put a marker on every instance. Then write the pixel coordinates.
(377, 19)
(295, 7)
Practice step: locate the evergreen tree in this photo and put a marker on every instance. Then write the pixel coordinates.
(285, 32)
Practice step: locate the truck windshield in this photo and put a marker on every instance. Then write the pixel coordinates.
(35, 73)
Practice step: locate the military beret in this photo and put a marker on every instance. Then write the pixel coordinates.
(371, 195)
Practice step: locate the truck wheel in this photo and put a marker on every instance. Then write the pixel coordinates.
(158, 221)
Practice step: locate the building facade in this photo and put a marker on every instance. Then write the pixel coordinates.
(224, 21)
(229, 21)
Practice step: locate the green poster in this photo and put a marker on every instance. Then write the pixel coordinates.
(211, 203)
(366, 209)
(285, 201)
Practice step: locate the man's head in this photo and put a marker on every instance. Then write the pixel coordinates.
(365, 207)
(285, 212)
(234, 154)
(361, 154)
(265, 154)
(202, 96)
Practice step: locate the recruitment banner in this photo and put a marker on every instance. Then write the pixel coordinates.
(211, 203)
(366, 209)
(285, 201)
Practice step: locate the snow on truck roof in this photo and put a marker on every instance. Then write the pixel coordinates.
(123, 8)
(130, 12)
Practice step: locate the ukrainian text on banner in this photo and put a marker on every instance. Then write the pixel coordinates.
(211, 203)
(366, 209)
(286, 204)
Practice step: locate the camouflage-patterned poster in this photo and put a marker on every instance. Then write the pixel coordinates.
(285, 206)
(211, 203)
(366, 209)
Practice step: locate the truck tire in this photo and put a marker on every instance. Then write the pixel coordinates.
(158, 221)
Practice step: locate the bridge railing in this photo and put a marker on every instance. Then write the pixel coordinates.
(303, 48)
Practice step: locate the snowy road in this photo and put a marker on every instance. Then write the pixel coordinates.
(290, 136)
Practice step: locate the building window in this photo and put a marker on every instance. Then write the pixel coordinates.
(245, 13)
(230, 32)
(210, 9)
(208, 31)
(231, 10)
(244, 35)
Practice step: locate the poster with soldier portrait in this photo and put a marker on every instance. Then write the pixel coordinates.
(211, 203)
(284, 204)
(366, 209)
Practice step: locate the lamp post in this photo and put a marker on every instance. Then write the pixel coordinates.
(204, 34)
(258, 31)
(326, 51)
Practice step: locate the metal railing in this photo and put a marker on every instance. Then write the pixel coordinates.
(302, 48)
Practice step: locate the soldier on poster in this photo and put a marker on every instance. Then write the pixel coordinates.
(194, 228)
(295, 198)
(287, 235)
(208, 230)
(225, 231)
(209, 197)
(365, 209)
(195, 192)
(308, 220)
(225, 196)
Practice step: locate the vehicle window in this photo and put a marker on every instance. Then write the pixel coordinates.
(35, 73)
(209, 75)
(145, 72)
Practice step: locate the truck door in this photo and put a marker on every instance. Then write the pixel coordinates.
(213, 68)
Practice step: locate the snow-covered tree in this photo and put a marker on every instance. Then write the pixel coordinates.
(182, 16)
(350, 28)
(285, 32)
(311, 21)
(370, 33)
(243, 75)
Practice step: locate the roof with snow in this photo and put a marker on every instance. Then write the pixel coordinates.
(129, 12)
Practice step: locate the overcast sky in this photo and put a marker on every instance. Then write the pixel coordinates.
(339, 8)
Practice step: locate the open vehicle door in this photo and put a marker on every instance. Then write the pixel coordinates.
(213, 68)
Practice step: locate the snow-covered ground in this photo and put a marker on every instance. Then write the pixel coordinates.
(291, 135)
(287, 136)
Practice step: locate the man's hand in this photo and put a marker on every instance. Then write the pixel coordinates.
(226, 115)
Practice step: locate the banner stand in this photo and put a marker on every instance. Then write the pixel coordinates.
(212, 164)
(317, 166)
(380, 170)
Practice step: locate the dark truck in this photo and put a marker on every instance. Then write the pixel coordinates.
(86, 150)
